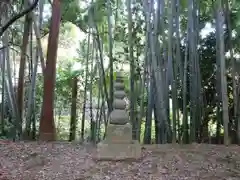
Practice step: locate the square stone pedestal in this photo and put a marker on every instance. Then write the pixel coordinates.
(118, 144)
(118, 151)
(119, 134)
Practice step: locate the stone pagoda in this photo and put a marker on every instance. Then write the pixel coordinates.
(118, 144)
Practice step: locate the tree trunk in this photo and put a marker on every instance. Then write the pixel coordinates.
(85, 89)
(20, 92)
(47, 126)
(73, 121)
(110, 42)
(224, 95)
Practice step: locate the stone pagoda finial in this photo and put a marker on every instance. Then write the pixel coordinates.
(119, 114)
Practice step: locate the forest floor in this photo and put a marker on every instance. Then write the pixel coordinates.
(71, 161)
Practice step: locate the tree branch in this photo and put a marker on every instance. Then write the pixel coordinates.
(17, 16)
(50, 2)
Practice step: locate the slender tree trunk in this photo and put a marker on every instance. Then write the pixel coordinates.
(148, 122)
(99, 44)
(73, 120)
(110, 40)
(85, 90)
(98, 116)
(11, 95)
(3, 59)
(185, 110)
(93, 73)
(32, 88)
(224, 95)
(132, 64)
(20, 92)
(3, 97)
(233, 71)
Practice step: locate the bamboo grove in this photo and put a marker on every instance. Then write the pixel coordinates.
(180, 84)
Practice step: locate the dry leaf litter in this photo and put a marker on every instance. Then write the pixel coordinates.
(71, 161)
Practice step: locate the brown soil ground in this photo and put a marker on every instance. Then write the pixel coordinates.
(71, 161)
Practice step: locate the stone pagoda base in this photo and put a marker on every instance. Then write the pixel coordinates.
(118, 144)
(120, 151)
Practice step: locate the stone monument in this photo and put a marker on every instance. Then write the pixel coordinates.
(118, 144)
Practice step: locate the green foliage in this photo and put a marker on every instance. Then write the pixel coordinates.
(65, 74)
